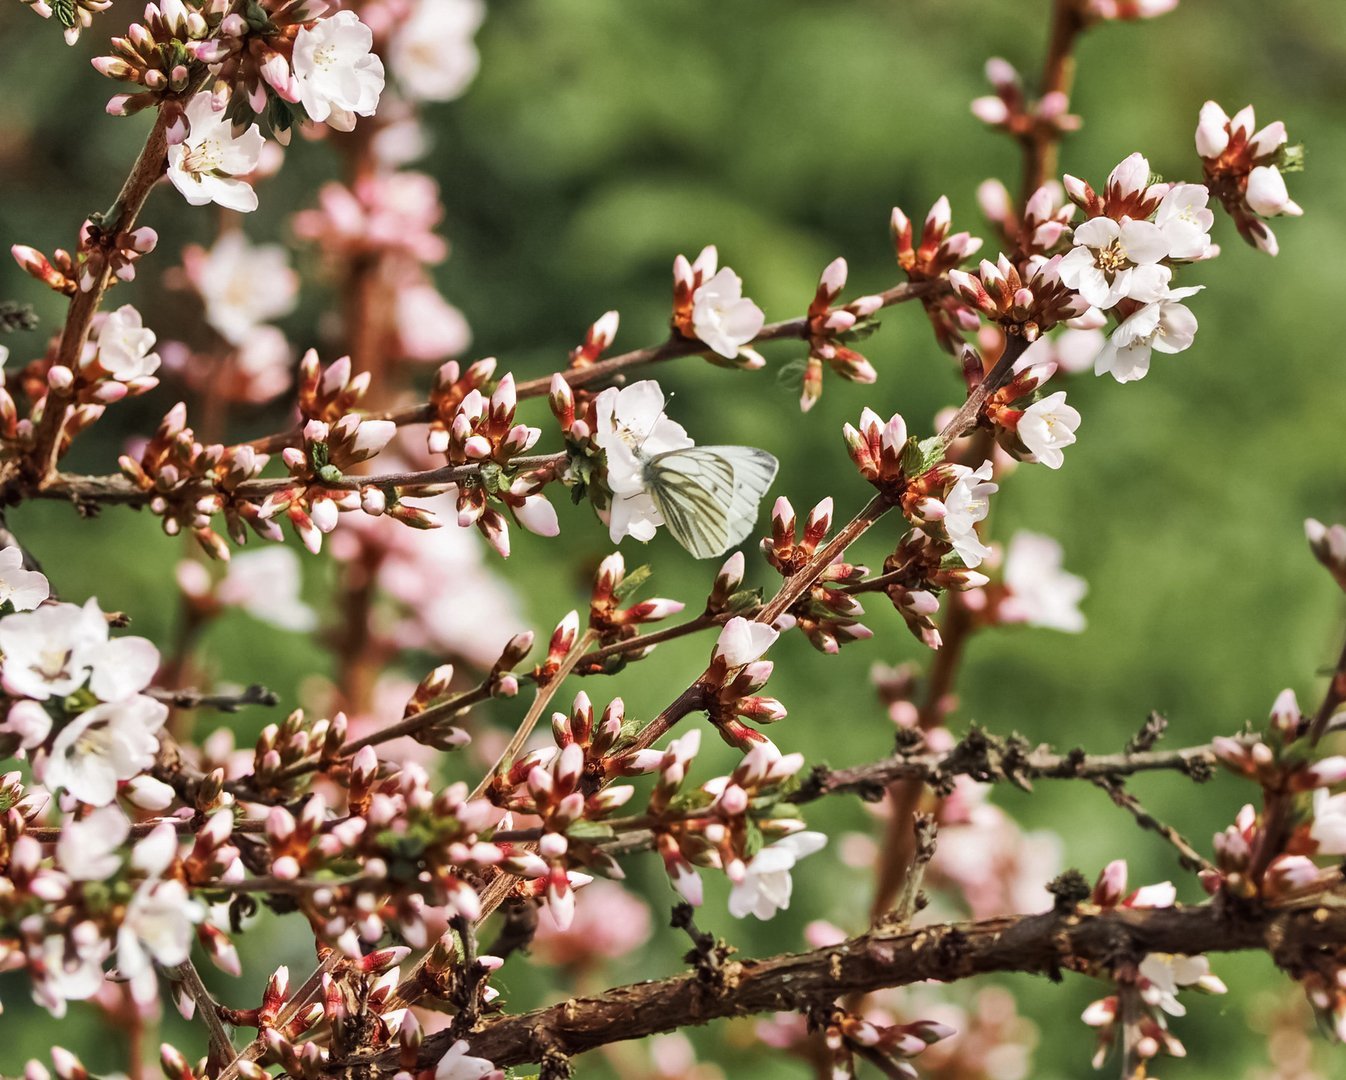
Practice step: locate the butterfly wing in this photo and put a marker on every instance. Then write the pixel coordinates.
(709, 495)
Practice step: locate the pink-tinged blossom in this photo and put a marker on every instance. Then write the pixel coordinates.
(1167, 325)
(723, 317)
(1047, 427)
(1164, 974)
(205, 167)
(158, 927)
(432, 55)
(1112, 261)
(766, 885)
(630, 423)
(429, 328)
(242, 284)
(89, 847)
(966, 504)
(458, 1064)
(742, 641)
(1040, 592)
(609, 923)
(1328, 830)
(103, 745)
(21, 589)
(28, 722)
(1185, 220)
(266, 584)
(339, 76)
(125, 346)
(49, 652)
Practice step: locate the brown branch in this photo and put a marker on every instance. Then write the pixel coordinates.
(119, 490)
(1036, 944)
(221, 1045)
(1332, 699)
(1188, 856)
(1042, 142)
(602, 371)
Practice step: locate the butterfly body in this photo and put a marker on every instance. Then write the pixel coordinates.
(708, 496)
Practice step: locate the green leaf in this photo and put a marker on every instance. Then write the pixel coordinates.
(633, 581)
(859, 332)
(1291, 158)
(590, 830)
(744, 599)
(64, 10)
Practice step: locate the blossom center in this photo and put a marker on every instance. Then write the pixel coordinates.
(51, 664)
(1112, 259)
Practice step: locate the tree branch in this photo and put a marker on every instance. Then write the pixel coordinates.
(1037, 944)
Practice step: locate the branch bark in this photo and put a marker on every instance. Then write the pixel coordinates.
(1043, 944)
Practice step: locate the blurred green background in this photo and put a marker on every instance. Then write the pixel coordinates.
(603, 137)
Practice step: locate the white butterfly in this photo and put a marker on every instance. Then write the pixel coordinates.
(708, 496)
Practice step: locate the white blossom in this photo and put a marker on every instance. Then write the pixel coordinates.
(629, 420)
(266, 584)
(1166, 974)
(22, 589)
(125, 345)
(766, 885)
(1185, 220)
(723, 317)
(72, 968)
(158, 927)
(965, 504)
(458, 1064)
(49, 652)
(89, 848)
(206, 166)
(1267, 194)
(103, 745)
(1047, 426)
(432, 53)
(339, 76)
(244, 285)
(1041, 593)
(1167, 325)
(1328, 830)
(743, 640)
(1112, 261)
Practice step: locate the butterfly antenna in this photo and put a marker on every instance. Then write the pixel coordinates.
(663, 414)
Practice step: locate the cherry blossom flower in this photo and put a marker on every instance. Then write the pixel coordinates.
(89, 847)
(243, 284)
(48, 652)
(125, 345)
(1244, 166)
(766, 885)
(1166, 974)
(1167, 325)
(429, 328)
(266, 584)
(628, 420)
(1328, 830)
(339, 77)
(432, 52)
(72, 968)
(1047, 426)
(742, 641)
(28, 722)
(158, 927)
(1041, 593)
(723, 317)
(206, 165)
(1113, 260)
(1185, 221)
(21, 589)
(103, 745)
(967, 503)
(458, 1064)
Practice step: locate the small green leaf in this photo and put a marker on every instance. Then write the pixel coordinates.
(329, 474)
(1291, 158)
(859, 332)
(633, 581)
(590, 830)
(744, 599)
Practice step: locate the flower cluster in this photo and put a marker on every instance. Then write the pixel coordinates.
(832, 329)
(709, 306)
(1245, 168)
